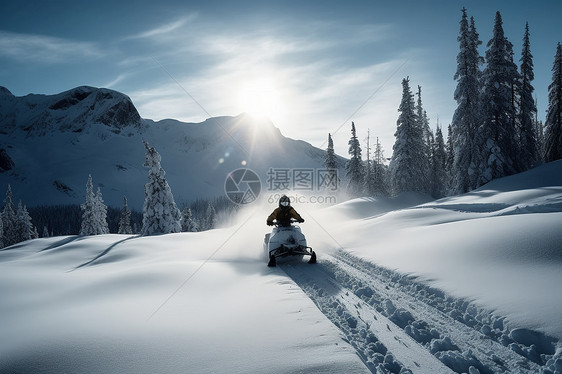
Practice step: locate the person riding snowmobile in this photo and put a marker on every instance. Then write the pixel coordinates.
(284, 213)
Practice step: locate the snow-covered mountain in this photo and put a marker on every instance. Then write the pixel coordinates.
(50, 143)
(465, 284)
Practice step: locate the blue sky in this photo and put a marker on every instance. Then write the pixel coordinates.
(313, 67)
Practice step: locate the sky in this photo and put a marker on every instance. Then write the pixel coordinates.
(312, 67)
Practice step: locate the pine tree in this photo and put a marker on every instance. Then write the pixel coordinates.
(499, 110)
(160, 213)
(187, 222)
(330, 160)
(88, 226)
(354, 167)
(9, 219)
(553, 124)
(94, 212)
(406, 168)
(210, 219)
(379, 175)
(369, 181)
(25, 230)
(466, 119)
(423, 124)
(330, 163)
(450, 161)
(101, 213)
(438, 165)
(541, 140)
(125, 219)
(529, 153)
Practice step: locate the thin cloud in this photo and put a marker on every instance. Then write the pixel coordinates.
(115, 81)
(45, 49)
(164, 29)
(287, 38)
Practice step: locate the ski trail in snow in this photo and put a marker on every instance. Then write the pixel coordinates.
(382, 345)
(396, 323)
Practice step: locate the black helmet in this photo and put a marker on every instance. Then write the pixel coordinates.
(284, 201)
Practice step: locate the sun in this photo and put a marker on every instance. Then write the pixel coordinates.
(260, 98)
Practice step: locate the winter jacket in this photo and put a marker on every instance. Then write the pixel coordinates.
(283, 216)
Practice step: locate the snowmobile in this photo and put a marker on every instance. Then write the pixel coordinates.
(285, 241)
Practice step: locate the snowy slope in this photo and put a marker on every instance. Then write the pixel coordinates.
(466, 284)
(55, 141)
(500, 245)
(122, 314)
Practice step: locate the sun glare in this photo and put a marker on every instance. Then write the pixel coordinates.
(259, 98)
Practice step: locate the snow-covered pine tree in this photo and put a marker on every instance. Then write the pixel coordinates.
(466, 119)
(450, 151)
(210, 217)
(379, 174)
(160, 213)
(330, 163)
(125, 219)
(25, 230)
(369, 181)
(406, 170)
(9, 220)
(101, 213)
(354, 167)
(438, 165)
(423, 124)
(187, 222)
(88, 225)
(499, 112)
(528, 142)
(94, 212)
(330, 160)
(541, 141)
(553, 123)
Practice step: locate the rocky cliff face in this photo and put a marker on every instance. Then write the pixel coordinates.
(6, 162)
(75, 110)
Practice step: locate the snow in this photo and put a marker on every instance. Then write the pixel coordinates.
(122, 313)
(463, 284)
(499, 245)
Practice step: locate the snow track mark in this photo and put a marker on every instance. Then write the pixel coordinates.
(105, 252)
(383, 346)
(398, 325)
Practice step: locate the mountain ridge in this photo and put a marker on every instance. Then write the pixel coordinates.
(53, 142)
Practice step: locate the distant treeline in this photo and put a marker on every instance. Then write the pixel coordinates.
(56, 220)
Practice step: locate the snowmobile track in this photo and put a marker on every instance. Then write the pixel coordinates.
(399, 325)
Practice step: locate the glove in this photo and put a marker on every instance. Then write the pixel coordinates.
(270, 223)
(300, 220)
